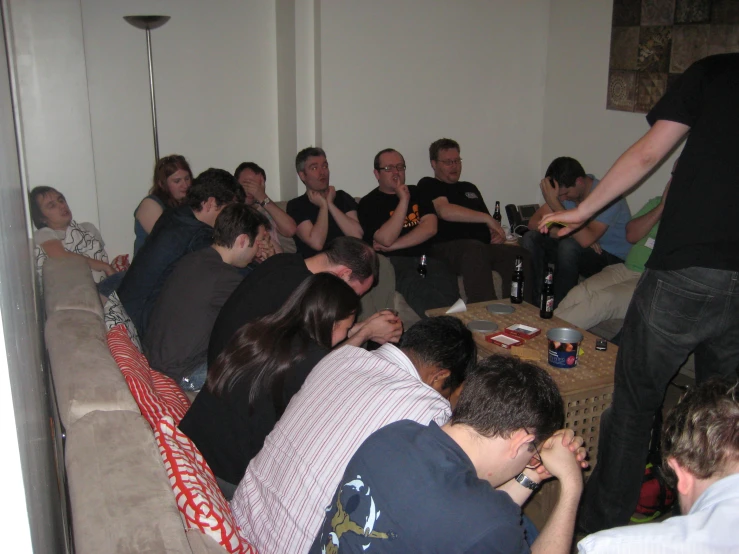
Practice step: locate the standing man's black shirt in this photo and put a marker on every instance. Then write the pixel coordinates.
(462, 194)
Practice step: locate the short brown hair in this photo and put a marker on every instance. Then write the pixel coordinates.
(702, 432)
(442, 144)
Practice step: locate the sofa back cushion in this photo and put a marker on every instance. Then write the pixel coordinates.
(153, 403)
(201, 503)
(68, 285)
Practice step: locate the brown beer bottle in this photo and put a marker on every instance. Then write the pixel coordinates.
(496, 214)
(546, 310)
(517, 282)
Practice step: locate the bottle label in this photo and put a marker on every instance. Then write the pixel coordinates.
(549, 306)
(548, 279)
(519, 265)
(514, 290)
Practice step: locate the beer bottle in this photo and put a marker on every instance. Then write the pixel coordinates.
(517, 282)
(496, 214)
(547, 295)
(422, 268)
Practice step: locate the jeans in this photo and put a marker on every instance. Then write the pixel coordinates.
(436, 290)
(110, 284)
(570, 259)
(672, 314)
(196, 379)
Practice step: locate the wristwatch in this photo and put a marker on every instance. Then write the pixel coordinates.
(264, 202)
(525, 481)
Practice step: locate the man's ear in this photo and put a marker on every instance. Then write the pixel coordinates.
(519, 439)
(433, 164)
(208, 205)
(377, 174)
(301, 174)
(343, 273)
(685, 479)
(437, 378)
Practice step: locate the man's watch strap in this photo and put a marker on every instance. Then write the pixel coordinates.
(264, 202)
(527, 482)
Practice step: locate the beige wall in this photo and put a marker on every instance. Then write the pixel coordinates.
(576, 122)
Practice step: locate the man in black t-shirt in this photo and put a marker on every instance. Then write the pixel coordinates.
(322, 213)
(399, 221)
(687, 299)
(267, 287)
(469, 240)
(459, 488)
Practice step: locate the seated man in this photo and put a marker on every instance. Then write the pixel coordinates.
(267, 287)
(351, 393)
(435, 487)
(322, 213)
(399, 221)
(179, 328)
(253, 179)
(606, 295)
(469, 240)
(701, 446)
(598, 243)
(177, 232)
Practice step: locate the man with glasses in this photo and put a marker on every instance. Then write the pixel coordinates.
(322, 213)
(399, 221)
(412, 487)
(469, 240)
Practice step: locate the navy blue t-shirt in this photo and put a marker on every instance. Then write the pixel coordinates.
(411, 488)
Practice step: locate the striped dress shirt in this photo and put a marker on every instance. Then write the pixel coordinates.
(281, 501)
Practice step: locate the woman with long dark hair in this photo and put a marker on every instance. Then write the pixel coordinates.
(265, 363)
(172, 178)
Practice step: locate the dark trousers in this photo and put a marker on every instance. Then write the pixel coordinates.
(436, 290)
(672, 314)
(570, 259)
(475, 260)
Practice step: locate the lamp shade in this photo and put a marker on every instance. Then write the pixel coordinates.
(146, 21)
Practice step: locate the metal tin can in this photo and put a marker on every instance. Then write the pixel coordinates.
(564, 347)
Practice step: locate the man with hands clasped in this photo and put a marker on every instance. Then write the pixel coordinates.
(399, 221)
(412, 487)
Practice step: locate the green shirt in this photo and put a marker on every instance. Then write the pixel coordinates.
(640, 252)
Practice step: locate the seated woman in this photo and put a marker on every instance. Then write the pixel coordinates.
(58, 235)
(266, 362)
(172, 177)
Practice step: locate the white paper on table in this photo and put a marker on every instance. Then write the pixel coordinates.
(458, 307)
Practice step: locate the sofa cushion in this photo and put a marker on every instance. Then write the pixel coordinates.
(68, 285)
(201, 503)
(140, 378)
(118, 490)
(86, 378)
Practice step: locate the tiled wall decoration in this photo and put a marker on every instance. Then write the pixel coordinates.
(654, 41)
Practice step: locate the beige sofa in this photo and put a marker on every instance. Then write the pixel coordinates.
(120, 497)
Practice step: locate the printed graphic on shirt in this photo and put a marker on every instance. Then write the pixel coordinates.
(354, 518)
(412, 219)
(471, 195)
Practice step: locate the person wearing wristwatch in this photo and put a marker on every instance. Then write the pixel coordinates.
(253, 180)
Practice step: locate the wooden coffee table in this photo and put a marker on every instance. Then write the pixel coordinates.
(586, 389)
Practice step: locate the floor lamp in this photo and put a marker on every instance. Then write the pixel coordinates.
(147, 23)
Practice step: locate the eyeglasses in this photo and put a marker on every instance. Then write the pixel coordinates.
(536, 458)
(390, 168)
(450, 163)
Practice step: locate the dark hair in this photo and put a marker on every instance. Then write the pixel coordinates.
(444, 342)
(304, 154)
(504, 394)
(235, 220)
(702, 431)
(166, 166)
(252, 166)
(356, 255)
(442, 144)
(565, 171)
(264, 349)
(376, 163)
(37, 216)
(215, 183)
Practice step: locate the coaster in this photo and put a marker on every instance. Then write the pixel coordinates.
(482, 326)
(500, 309)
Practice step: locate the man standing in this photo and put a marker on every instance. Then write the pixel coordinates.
(322, 213)
(177, 232)
(599, 243)
(399, 221)
(468, 240)
(413, 487)
(688, 298)
(180, 325)
(699, 443)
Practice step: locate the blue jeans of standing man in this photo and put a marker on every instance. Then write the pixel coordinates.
(672, 314)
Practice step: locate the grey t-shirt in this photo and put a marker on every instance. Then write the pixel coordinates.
(176, 340)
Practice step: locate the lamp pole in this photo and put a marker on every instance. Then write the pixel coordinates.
(147, 23)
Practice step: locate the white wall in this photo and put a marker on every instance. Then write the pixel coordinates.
(215, 78)
(401, 74)
(576, 122)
